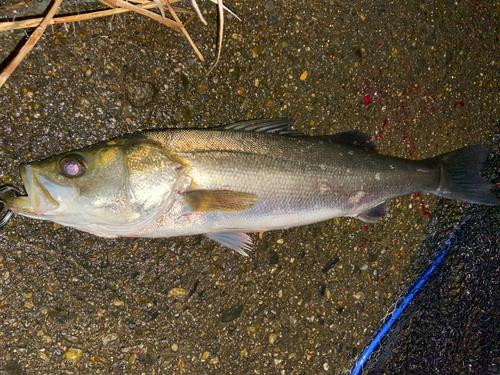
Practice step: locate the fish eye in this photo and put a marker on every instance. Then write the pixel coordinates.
(72, 166)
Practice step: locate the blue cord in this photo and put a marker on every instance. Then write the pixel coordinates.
(403, 305)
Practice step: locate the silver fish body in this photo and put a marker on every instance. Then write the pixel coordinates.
(228, 181)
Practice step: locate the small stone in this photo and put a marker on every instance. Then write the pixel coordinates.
(205, 356)
(109, 338)
(272, 338)
(280, 241)
(303, 76)
(244, 353)
(177, 292)
(117, 302)
(73, 355)
(270, 6)
(132, 359)
(232, 313)
(44, 357)
(29, 305)
(326, 366)
(359, 295)
(175, 347)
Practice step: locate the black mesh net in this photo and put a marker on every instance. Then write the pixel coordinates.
(453, 325)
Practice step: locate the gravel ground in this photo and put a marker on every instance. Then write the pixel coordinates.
(420, 77)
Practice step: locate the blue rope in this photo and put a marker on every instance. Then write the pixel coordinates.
(403, 305)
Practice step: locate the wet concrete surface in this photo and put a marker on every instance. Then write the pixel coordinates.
(421, 78)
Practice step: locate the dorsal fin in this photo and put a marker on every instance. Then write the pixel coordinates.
(354, 138)
(280, 126)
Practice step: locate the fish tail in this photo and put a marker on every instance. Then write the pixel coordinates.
(461, 177)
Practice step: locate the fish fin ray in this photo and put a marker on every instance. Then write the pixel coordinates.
(237, 241)
(374, 214)
(354, 138)
(280, 126)
(461, 177)
(219, 200)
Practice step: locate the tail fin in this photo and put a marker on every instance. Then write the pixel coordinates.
(461, 177)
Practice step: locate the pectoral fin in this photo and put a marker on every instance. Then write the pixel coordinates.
(219, 200)
(374, 214)
(237, 241)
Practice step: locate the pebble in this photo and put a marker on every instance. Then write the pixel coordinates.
(205, 356)
(331, 263)
(44, 357)
(177, 292)
(109, 338)
(359, 295)
(132, 359)
(270, 6)
(117, 302)
(73, 355)
(272, 338)
(175, 347)
(232, 313)
(244, 353)
(303, 76)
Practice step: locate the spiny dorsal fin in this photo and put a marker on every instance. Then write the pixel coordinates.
(219, 200)
(280, 126)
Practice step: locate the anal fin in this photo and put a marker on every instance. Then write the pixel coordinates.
(236, 241)
(374, 214)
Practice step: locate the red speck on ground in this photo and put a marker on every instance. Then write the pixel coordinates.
(366, 227)
(368, 99)
(379, 135)
(425, 211)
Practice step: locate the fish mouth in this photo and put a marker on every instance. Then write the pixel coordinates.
(40, 200)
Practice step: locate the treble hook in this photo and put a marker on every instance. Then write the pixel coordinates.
(8, 215)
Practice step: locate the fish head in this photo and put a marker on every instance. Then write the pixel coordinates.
(111, 189)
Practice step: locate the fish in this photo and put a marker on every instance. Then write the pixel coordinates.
(228, 181)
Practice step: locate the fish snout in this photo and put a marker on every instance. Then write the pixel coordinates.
(40, 199)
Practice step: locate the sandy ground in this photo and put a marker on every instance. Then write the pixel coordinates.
(421, 78)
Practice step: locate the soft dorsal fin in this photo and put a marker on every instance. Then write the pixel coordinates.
(280, 126)
(354, 138)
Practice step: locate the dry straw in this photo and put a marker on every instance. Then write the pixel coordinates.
(117, 7)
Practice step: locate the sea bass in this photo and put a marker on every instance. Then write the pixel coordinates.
(224, 182)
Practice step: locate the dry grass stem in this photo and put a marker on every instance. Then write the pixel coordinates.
(14, 6)
(30, 43)
(198, 12)
(144, 12)
(183, 29)
(221, 34)
(4, 26)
